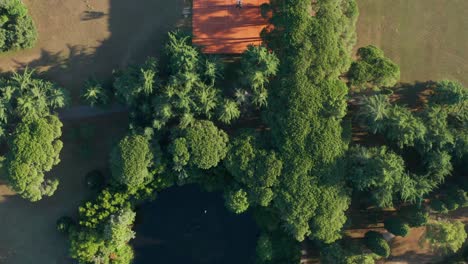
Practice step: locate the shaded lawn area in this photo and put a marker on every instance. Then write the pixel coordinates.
(28, 229)
(428, 38)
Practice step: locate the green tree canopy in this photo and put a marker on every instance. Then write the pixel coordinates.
(375, 242)
(396, 226)
(23, 97)
(17, 29)
(258, 65)
(373, 68)
(446, 236)
(206, 144)
(330, 215)
(130, 162)
(376, 170)
(236, 201)
(107, 246)
(305, 105)
(34, 149)
(253, 168)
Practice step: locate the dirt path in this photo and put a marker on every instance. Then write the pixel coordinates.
(78, 38)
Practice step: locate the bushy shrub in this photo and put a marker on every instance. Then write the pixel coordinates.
(414, 215)
(17, 29)
(236, 201)
(446, 236)
(396, 226)
(375, 242)
(373, 68)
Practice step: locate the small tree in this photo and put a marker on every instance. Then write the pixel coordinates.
(236, 201)
(396, 226)
(228, 111)
(449, 93)
(375, 242)
(264, 249)
(414, 215)
(373, 68)
(446, 236)
(94, 94)
(17, 29)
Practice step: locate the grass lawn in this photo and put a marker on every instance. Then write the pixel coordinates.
(428, 38)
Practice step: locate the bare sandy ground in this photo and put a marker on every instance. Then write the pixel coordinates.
(78, 38)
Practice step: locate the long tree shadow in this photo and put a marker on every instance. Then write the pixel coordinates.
(137, 30)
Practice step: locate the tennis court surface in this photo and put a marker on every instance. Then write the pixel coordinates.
(222, 28)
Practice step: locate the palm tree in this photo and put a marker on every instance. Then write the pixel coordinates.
(260, 98)
(241, 96)
(27, 108)
(147, 78)
(94, 93)
(374, 112)
(23, 80)
(212, 70)
(228, 111)
(186, 120)
(57, 98)
(206, 99)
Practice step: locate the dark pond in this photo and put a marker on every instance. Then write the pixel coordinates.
(186, 225)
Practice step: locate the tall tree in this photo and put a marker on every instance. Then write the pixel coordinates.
(206, 144)
(34, 149)
(130, 162)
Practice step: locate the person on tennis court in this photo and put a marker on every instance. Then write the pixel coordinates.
(239, 4)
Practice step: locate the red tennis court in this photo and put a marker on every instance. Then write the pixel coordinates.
(221, 27)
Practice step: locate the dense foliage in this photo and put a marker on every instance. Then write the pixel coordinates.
(396, 226)
(446, 236)
(375, 242)
(373, 69)
(130, 162)
(17, 29)
(34, 150)
(32, 132)
(305, 108)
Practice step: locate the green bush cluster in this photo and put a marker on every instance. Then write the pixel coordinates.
(17, 29)
(396, 226)
(446, 236)
(375, 242)
(414, 215)
(32, 132)
(373, 69)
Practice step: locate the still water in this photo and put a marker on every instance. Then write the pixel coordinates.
(186, 225)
